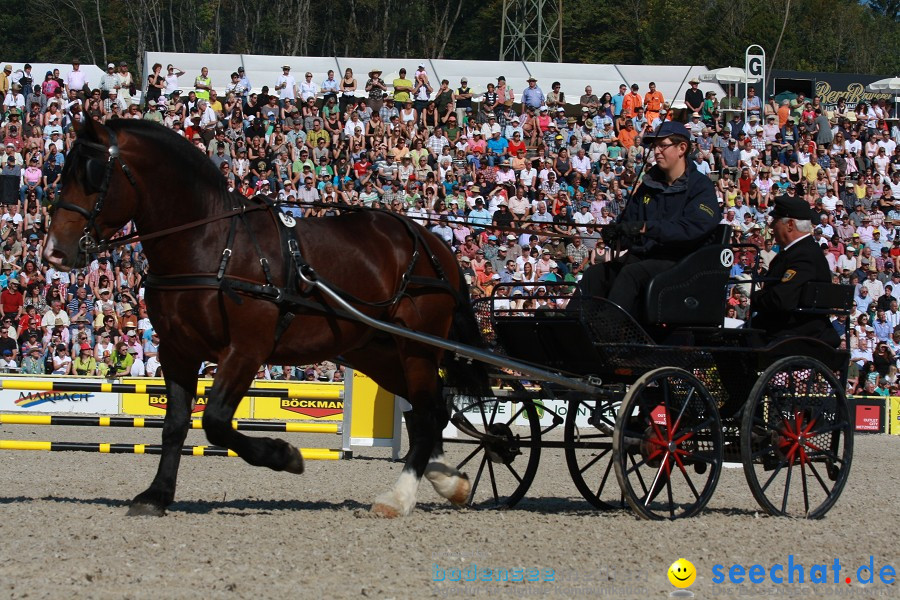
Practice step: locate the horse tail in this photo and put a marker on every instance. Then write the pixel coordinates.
(469, 377)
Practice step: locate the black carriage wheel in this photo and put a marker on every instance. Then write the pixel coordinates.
(502, 459)
(589, 451)
(668, 471)
(797, 438)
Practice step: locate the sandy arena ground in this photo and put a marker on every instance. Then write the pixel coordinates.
(241, 532)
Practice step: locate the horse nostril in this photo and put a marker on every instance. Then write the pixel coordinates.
(56, 256)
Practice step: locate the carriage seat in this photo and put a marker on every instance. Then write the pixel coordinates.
(691, 292)
(826, 298)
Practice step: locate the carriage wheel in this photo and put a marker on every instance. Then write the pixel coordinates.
(589, 451)
(797, 438)
(501, 454)
(667, 445)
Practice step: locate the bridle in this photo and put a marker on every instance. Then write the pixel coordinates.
(92, 239)
(97, 178)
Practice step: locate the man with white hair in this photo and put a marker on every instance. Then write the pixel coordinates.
(800, 261)
(208, 121)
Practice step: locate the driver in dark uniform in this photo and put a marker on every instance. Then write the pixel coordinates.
(800, 260)
(672, 212)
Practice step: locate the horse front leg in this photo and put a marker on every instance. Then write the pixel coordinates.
(180, 392)
(232, 381)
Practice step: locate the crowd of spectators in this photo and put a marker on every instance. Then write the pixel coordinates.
(518, 183)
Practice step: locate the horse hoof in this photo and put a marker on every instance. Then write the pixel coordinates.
(385, 511)
(141, 509)
(460, 496)
(295, 464)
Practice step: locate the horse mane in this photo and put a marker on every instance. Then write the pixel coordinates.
(201, 177)
(199, 169)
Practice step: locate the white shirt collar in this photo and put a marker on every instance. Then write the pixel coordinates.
(797, 240)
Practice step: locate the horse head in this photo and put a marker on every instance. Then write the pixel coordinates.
(97, 197)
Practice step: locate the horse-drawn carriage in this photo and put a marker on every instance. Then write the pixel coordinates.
(662, 404)
(676, 397)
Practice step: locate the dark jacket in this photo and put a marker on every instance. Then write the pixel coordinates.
(775, 305)
(680, 217)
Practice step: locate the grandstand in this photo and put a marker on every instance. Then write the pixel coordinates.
(519, 180)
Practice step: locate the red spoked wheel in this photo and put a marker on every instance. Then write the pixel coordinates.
(797, 439)
(667, 445)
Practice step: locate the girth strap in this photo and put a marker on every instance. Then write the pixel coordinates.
(233, 285)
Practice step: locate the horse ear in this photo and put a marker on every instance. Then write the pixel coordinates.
(86, 128)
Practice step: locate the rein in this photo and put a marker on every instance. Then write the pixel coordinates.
(92, 240)
(139, 237)
(457, 220)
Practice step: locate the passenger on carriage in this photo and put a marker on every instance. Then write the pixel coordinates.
(799, 262)
(673, 212)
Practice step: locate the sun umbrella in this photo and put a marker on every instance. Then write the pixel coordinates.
(785, 95)
(891, 85)
(727, 75)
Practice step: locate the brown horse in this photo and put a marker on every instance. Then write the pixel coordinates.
(224, 286)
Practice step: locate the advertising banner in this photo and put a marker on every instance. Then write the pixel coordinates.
(372, 422)
(894, 422)
(868, 414)
(308, 400)
(52, 401)
(155, 404)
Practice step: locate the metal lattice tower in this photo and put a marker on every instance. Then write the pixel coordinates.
(532, 30)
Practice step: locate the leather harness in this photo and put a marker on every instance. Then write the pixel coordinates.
(291, 298)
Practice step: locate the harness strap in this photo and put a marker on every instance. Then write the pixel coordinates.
(227, 252)
(263, 261)
(234, 285)
(139, 237)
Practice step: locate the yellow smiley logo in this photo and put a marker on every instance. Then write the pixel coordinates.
(682, 573)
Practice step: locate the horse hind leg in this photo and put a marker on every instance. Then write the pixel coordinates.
(421, 383)
(447, 481)
(231, 383)
(180, 391)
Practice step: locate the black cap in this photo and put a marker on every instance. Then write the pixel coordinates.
(794, 208)
(666, 129)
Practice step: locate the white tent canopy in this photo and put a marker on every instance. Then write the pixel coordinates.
(220, 67)
(672, 81)
(482, 72)
(39, 70)
(574, 77)
(891, 84)
(264, 70)
(728, 75)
